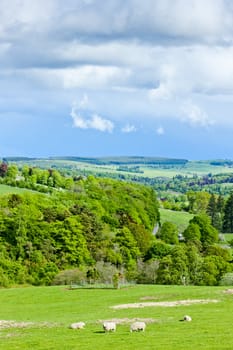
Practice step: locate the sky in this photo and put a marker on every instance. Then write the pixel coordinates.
(117, 77)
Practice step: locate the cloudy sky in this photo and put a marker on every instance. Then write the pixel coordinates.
(116, 77)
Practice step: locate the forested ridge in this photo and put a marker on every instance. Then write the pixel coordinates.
(103, 220)
(84, 229)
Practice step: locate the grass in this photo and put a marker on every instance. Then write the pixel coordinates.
(179, 218)
(59, 307)
(5, 189)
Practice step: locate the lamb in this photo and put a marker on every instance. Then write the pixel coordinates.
(138, 326)
(77, 325)
(109, 326)
(187, 318)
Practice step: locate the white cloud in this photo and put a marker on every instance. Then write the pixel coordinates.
(195, 116)
(128, 128)
(160, 130)
(93, 122)
(84, 102)
(162, 92)
(101, 124)
(171, 51)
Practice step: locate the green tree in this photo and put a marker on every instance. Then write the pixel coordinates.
(158, 250)
(169, 233)
(192, 233)
(228, 215)
(209, 234)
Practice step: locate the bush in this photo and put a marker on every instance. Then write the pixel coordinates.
(227, 279)
(68, 277)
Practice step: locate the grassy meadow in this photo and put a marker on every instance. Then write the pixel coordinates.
(42, 317)
(179, 218)
(5, 189)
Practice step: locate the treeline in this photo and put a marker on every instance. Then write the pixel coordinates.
(126, 160)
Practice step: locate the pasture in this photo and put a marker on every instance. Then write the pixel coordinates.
(39, 318)
(5, 189)
(179, 218)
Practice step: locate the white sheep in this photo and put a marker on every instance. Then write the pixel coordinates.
(187, 318)
(138, 326)
(77, 325)
(109, 326)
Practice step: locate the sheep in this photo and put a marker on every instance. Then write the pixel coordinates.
(109, 326)
(137, 327)
(187, 318)
(77, 325)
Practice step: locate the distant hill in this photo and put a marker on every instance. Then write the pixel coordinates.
(108, 160)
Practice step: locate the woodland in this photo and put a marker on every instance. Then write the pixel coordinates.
(86, 229)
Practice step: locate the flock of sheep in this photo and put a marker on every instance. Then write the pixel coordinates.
(109, 326)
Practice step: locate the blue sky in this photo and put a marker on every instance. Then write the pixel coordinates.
(116, 77)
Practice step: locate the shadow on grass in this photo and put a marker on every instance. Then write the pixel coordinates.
(99, 332)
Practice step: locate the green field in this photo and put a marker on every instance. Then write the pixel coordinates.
(42, 316)
(4, 189)
(179, 218)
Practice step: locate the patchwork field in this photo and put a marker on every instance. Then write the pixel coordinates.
(39, 318)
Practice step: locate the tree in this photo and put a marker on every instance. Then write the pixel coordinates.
(3, 169)
(228, 215)
(209, 234)
(212, 209)
(173, 268)
(158, 250)
(198, 201)
(12, 172)
(169, 233)
(192, 233)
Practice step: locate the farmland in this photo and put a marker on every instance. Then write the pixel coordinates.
(146, 166)
(163, 174)
(42, 317)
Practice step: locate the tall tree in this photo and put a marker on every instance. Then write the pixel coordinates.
(228, 215)
(212, 210)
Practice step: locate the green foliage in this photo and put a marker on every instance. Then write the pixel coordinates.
(227, 279)
(169, 233)
(93, 229)
(208, 233)
(158, 250)
(228, 215)
(192, 233)
(42, 235)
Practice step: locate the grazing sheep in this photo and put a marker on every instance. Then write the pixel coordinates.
(137, 327)
(109, 326)
(187, 318)
(77, 325)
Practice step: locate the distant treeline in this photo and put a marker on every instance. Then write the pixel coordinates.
(126, 160)
(222, 162)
